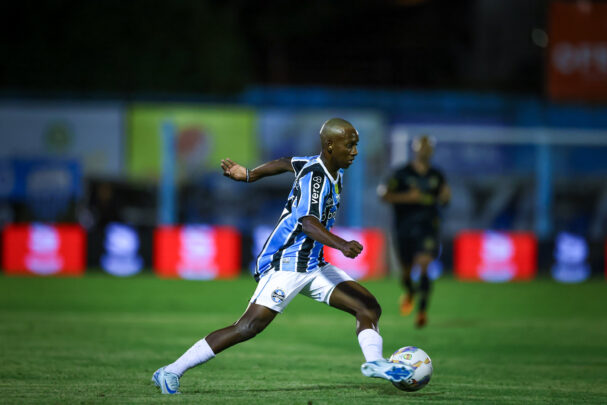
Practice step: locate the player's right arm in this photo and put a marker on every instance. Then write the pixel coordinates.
(240, 173)
(312, 227)
(412, 196)
(314, 188)
(389, 193)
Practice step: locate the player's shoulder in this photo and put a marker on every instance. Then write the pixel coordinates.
(313, 167)
(436, 171)
(300, 162)
(404, 169)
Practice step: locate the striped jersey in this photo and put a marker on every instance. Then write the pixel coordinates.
(314, 193)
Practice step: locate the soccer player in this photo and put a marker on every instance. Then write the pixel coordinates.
(417, 190)
(291, 261)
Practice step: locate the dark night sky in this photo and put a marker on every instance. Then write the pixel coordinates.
(193, 46)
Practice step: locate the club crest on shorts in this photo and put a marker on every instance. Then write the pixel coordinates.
(278, 296)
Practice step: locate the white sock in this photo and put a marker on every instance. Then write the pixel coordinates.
(200, 353)
(371, 344)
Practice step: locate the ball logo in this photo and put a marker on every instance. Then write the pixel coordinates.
(278, 295)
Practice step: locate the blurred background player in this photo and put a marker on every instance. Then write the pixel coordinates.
(417, 191)
(291, 261)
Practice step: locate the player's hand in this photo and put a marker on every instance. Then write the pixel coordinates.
(352, 249)
(233, 170)
(426, 199)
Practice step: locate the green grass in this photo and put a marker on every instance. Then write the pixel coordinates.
(98, 340)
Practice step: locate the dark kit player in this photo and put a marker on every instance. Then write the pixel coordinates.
(417, 190)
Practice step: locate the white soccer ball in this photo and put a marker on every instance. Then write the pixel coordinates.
(421, 364)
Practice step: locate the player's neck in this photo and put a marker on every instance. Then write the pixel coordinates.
(421, 166)
(328, 164)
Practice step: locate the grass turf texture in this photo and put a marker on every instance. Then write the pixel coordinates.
(99, 339)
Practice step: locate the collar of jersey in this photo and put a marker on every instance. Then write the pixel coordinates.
(327, 171)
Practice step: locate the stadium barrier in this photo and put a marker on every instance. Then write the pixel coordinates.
(198, 252)
(40, 249)
(210, 252)
(370, 263)
(495, 256)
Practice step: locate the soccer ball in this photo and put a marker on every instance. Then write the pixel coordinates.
(421, 364)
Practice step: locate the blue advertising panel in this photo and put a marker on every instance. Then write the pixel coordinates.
(121, 250)
(571, 256)
(91, 134)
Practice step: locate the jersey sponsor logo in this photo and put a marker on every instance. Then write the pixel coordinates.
(278, 295)
(316, 184)
(329, 216)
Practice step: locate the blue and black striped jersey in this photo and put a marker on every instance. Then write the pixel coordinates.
(314, 193)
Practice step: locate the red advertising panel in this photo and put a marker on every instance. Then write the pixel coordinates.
(577, 64)
(39, 249)
(197, 252)
(371, 263)
(495, 256)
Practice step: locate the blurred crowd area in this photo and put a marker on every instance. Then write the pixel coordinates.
(120, 112)
(97, 164)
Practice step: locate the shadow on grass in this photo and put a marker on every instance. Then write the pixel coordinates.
(382, 389)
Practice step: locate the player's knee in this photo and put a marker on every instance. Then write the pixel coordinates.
(248, 329)
(371, 309)
(424, 261)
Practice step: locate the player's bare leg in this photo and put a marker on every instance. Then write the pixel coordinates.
(406, 300)
(253, 321)
(355, 299)
(423, 260)
(351, 297)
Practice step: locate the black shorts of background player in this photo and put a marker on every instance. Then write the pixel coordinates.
(417, 191)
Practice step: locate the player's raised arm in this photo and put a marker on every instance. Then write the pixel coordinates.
(312, 227)
(240, 173)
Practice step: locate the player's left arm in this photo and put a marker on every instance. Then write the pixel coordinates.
(444, 191)
(240, 173)
(444, 194)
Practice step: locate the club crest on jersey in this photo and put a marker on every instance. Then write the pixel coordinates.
(278, 296)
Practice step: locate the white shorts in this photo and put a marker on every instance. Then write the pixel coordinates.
(277, 288)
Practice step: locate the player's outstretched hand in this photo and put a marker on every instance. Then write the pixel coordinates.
(352, 249)
(233, 170)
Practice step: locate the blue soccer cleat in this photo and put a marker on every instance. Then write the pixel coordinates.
(387, 370)
(167, 382)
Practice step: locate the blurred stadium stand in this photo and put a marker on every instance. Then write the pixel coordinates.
(89, 92)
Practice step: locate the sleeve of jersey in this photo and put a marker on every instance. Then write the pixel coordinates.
(314, 188)
(298, 163)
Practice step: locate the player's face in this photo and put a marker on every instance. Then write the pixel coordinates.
(425, 150)
(346, 148)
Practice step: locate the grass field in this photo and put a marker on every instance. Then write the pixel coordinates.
(98, 340)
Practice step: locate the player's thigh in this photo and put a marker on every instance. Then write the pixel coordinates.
(323, 282)
(405, 246)
(352, 297)
(428, 246)
(276, 289)
(256, 317)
